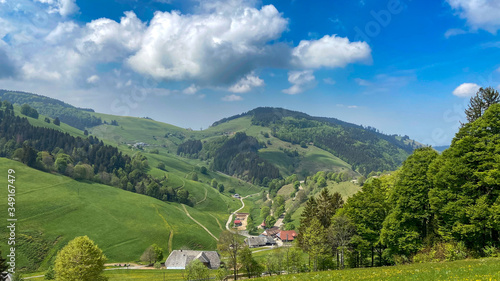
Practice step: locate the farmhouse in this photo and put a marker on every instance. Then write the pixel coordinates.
(271, 231)
(179, 259)
(259, 241)
(287, 235)
(237, 223)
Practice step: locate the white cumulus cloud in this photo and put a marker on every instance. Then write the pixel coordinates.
(220, 47)
(330, 51)
(301, 80)
(466, 90)
(480, 14)
(107, 40)
(246, 84)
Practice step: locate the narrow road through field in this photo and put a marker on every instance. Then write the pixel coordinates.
(206, 229)
(230, 219)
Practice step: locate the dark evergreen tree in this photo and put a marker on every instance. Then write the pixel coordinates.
(483, 99)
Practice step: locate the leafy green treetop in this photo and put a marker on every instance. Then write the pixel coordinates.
(80, 260)
(196, 270)
(466, 180)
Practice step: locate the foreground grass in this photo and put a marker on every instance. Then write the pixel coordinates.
(153, 275)
(480, 269)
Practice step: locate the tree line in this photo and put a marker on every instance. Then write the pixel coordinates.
(75, 117)
(435, 207)
(235, 156)
(80, 158)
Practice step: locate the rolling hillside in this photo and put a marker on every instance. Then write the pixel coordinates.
(364, 148)
(53, 209)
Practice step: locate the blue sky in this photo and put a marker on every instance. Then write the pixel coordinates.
(405, 67)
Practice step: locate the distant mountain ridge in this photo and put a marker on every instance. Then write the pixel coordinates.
(365, 148)
(69, 114)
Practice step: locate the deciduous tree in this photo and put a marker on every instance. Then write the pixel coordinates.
(230, 245)
(80, 260)
(196, 270)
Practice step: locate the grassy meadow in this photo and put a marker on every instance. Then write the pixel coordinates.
(480, 269)
(54, 209)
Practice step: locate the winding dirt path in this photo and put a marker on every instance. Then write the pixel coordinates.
(230, 219)
(198, 223)
(171, 235)
(206, 191)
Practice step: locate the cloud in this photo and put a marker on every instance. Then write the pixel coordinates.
(107, 40)
(466, 90)
(191, 90)
(454, 32)
(329, 81)
(301, 80)
(330, 52)
(7, 66)
(246, 84)
(62, 32)
(480, 14)
(232, 98)
(216, 48)
(93, 79)
(220, 45)
(63, 7)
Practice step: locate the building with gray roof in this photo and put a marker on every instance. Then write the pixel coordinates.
(179, 259)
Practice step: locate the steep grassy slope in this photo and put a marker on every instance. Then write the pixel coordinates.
(53, 209)
(310, 159)
(365, 148)
(132, 130)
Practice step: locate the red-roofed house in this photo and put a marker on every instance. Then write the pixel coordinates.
(237, 223)
(287, 235)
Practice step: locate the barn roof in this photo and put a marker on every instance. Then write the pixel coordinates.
(179, 259)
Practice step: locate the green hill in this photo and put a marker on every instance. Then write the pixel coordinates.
(364, 148)
(76, 117)
(53, 209)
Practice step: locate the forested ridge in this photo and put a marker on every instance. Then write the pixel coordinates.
(76, 117)
(235, 156)
(365, 149)
(80, 158)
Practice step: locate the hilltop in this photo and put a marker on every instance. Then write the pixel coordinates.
(363, 149)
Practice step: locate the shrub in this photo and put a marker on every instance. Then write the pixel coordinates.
(491, 251)
(161, 166)
(455, 251)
